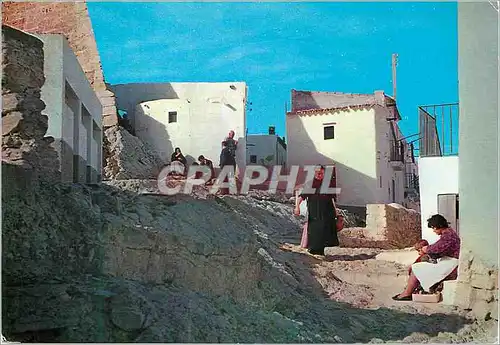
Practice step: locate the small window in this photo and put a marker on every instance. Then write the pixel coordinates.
(380, 181)
(328, 132)
(172, 116)
(253, 159)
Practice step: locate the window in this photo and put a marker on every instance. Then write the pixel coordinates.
(253, 159)
(172, 116)
(328, 132)
(380, 181)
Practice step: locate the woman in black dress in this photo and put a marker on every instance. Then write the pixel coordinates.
(177, 156)
(322, 214)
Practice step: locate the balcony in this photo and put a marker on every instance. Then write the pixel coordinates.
(397, 155)
(438, 130)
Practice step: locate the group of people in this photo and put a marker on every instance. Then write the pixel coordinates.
(179, 158)
(436, 262)
(227, 157)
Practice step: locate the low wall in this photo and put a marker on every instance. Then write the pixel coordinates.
(387, 226)
(393, 223)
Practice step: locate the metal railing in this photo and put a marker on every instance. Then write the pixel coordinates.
(412, 152)
(411, 181)
(397, 153)
(438, 130)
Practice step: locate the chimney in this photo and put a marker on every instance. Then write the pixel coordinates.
(272, 130)
(394, 65)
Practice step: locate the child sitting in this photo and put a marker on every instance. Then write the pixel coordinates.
(423, 257)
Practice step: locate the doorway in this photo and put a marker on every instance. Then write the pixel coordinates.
(393, 191)
(448, 208)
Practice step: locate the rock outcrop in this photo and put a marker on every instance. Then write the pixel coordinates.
(127, 157)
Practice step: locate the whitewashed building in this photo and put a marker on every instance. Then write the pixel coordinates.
(359, 134)
(74, 112)
(266, 149)
(195, 117)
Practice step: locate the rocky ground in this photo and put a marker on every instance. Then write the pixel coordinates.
(111, 264)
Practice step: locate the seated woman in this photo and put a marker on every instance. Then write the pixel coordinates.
(446, 250)
(177, 157)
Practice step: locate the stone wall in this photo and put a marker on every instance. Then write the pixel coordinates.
(23, 125)
(387, 226)
(477, 286)
(72, 20)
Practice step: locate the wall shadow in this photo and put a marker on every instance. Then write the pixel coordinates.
(127, 97)
(154, 134)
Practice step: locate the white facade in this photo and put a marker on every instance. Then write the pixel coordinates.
(74, 112)
(360, 149)
(265, 149)
(196, 117)
(438, 175)
(478, 129)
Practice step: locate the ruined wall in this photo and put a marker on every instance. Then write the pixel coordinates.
(398, 226)
(23, 125)
(72, 20)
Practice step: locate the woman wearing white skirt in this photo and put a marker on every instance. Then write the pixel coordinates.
(446, 250)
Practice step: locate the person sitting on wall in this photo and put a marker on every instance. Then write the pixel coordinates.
(208, 163)
(177, 157)
(426, 275)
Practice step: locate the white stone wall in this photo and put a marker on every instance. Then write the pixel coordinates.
(477, 286)
(478, 128)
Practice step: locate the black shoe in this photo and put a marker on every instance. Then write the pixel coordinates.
(397, 298)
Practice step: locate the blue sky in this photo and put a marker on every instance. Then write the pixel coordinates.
(276, 47)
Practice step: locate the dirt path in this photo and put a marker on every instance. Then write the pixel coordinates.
(354, 276)
(367, 282)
